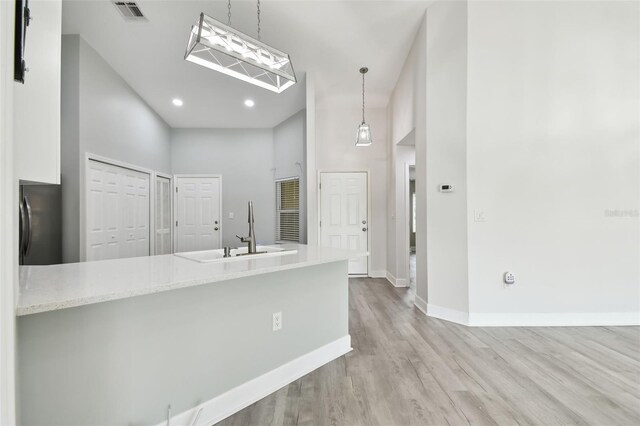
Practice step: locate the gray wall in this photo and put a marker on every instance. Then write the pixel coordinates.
(115, 121)
(103, 115)
(122, 362)
(244, 158)
(70, 148)
(289, 144)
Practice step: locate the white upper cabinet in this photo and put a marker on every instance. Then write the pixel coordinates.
(37, 102)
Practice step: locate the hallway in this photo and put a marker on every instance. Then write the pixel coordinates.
(406, 368)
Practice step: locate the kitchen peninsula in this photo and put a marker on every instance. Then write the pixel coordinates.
(119, 341)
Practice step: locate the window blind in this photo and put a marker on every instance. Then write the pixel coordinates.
(288, 209)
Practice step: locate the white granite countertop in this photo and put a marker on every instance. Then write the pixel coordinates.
(49, 288)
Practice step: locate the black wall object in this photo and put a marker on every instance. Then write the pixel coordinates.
(23, 17)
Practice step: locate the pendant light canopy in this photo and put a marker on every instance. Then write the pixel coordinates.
(222, 48)
(363, 137)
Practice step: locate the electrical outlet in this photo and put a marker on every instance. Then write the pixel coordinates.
(277, 321)
(509, 278)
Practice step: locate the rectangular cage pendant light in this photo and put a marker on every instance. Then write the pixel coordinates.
(218, 46)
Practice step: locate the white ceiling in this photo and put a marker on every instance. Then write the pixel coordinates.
(331, 39)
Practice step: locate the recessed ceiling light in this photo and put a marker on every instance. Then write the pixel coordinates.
(249, 103)
(177, 102)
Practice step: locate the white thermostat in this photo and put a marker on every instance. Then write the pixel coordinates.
(445, 187)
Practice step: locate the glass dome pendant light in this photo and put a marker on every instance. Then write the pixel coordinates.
(363, 137)
(220, 47)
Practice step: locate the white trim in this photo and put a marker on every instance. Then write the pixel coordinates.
(407, 220)
(391, 279)
(378, 274)
(567, 319)
(198, 175)
(8, 220)
(234, 400)
(319, 209)
(311, 181)
(453, 315)
(154, 189)
(421, 304)
(175, 204)
(396, 282)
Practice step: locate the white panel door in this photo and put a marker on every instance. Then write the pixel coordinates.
(198, 210)
(163, 216)
(344, 221)
(117, 222)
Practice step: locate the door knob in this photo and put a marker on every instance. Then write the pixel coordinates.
(364, 222)
(364, 229)
(215, 229)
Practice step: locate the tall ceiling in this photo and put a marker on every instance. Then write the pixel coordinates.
(331, 39)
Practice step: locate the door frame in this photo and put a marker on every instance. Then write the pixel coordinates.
(319, 203)
(407, 219)
(8, 221)
(175, 179)
(84, 206)
(152, 241)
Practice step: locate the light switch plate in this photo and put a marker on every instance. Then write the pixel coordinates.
(479, 216)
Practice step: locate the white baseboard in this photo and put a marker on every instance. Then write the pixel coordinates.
(396, 282)
(402, 282)
(553, 319)
(234, 400)
(421, 304)
(378, 274)
(572, 319)
(453, 315)
(391, 279)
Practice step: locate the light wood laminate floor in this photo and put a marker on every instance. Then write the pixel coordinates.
(408, 369)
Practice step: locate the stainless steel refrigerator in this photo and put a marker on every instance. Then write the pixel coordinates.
(40, 241)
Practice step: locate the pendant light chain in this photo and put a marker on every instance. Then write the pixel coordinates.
(229, 12)
(259, 20)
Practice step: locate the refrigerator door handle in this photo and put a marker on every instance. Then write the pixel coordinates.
(29, 224)
(23, 229)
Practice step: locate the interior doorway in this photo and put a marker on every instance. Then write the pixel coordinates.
(412, 227)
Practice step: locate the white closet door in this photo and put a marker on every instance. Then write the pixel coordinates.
(163, 215)
(343, 214)
(117, 224)
(198, 210)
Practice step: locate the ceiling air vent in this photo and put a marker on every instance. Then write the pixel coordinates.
(130, 10)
